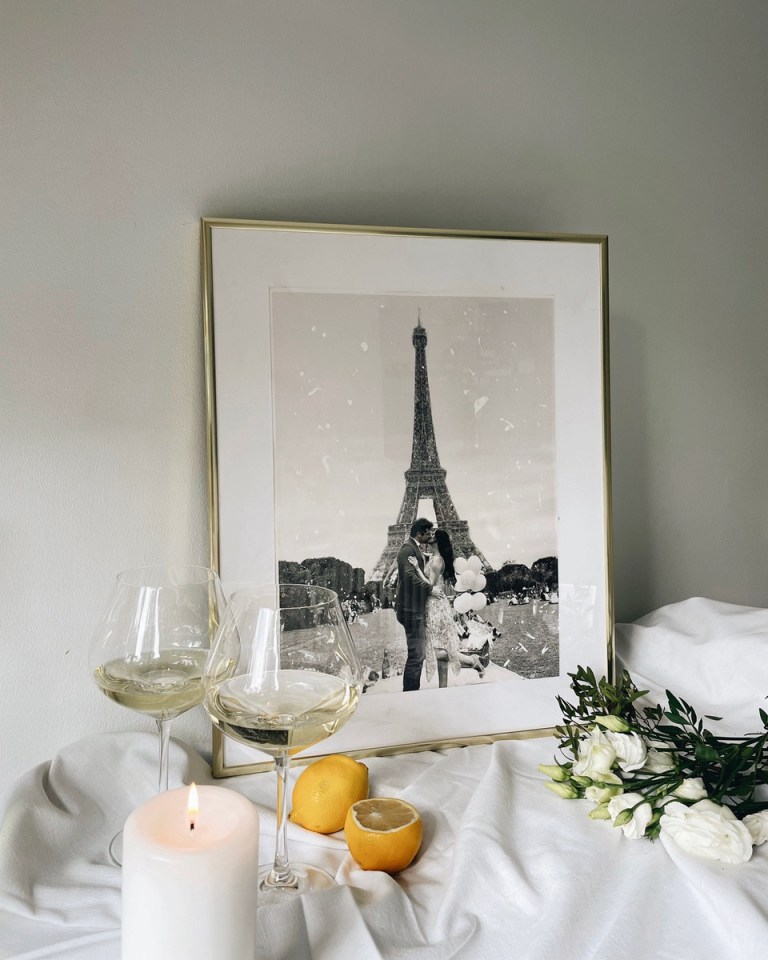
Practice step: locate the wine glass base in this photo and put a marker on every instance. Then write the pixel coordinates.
(308, 880)
(116, 849)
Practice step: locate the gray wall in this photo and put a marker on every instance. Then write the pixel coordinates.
(125, 121)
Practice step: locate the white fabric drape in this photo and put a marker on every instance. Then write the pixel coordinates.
(507, 869)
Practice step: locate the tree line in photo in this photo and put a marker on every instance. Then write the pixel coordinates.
(514, 582)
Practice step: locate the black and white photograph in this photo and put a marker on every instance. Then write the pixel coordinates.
(394, 411)
(416, 420)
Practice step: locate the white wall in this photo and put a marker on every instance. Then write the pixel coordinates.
(125, 121)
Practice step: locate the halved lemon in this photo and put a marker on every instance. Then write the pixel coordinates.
(383, 833)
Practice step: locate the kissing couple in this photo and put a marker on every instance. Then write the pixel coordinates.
(423, 607)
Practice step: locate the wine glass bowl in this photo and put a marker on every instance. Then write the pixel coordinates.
(149, 648)
(283, 674)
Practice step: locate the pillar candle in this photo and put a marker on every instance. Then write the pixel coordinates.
(190, 879)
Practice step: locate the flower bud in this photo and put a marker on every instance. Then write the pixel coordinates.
(691, 789)
(611, 722)
(602, 794)
(582, 781)
(608, 779)
(600, 812)
(621, 818)
(564, 790)
(554, 771)
(658, 761)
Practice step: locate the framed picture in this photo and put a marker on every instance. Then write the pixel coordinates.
(362, 378)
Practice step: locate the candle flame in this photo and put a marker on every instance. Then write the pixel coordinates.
(193, 806)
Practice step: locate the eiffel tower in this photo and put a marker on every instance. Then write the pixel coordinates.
(425, 479)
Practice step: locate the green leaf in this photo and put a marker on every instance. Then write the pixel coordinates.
(674, 702)
(675, 717)
(705, 753)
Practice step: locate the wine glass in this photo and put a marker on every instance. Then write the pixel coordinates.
(282, 675)
(150, 646)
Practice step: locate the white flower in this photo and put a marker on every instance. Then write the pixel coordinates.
(707, 830)
(630, 750)
(602, 794)
(691, 789)
(596, 756)
(657, 762)
(636, 823)
(757, 824)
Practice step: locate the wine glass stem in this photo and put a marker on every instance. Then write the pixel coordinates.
(164, 729)
(281, 874)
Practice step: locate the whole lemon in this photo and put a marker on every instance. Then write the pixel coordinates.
(325, 790)
(383, 833)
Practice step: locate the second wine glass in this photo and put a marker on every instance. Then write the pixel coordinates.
(283, 674)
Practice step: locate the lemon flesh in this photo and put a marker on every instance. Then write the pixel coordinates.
(383, 833)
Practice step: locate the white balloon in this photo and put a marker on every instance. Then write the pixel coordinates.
(467, 581)
(480, 582)
(462, 603)
(459, 565)
(479, 600)
(474, 564)
(471, 580)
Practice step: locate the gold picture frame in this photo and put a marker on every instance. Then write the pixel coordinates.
(530, 311)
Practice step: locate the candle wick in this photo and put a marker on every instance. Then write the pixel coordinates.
(191, 824)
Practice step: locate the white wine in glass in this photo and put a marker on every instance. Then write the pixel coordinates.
(149, 649)
(283, 674)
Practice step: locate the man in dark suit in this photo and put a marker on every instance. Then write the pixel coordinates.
(411, 600)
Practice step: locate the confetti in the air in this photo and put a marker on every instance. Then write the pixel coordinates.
(327, 464)
(480, 403)
(364, 346)
(313, 391)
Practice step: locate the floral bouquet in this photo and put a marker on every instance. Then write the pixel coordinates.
(659, 771)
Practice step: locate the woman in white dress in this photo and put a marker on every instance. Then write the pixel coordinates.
(442, 637)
